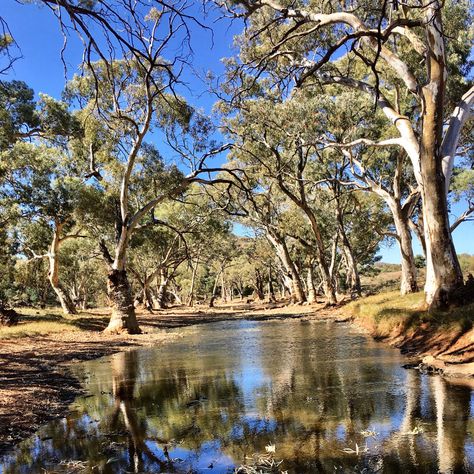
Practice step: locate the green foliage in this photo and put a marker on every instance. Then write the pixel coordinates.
(420, 261)
(21, 117)
(17, 111)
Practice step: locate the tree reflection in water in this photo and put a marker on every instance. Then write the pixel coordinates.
(224, 392)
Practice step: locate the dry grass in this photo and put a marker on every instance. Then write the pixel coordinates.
(35, 322)
(386, 312)
(31, 329)
(40, 322)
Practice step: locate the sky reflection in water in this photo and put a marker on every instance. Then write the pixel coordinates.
(319, 392)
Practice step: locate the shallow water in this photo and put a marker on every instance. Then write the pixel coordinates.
(326, 397)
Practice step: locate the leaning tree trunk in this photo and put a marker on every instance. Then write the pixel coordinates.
(443, 272)
(123, 318)
(53, 276)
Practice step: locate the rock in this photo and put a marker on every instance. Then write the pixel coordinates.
(431, 364)
(8, 316)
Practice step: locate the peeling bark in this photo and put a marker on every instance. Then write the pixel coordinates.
(443, 272)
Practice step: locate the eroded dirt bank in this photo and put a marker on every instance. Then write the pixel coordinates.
(447, 350)
(438, 342)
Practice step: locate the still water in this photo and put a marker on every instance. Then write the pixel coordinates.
(327, 398)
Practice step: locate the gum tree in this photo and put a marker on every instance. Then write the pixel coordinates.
(384, 50)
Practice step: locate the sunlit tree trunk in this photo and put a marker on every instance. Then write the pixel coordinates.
(161, 292)
(408, 282)
(223, 289)
(443, 272)
(310, 285)
(297, 291)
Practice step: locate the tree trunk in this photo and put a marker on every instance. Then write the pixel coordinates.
(328, 286)
(84, 301)
(443, 272)
(352, 274)
(297, 291)
(271, 291)
(214, 292)
(310, 285)
(408, 282)
(53, 256)
(161, 293)
(193, 282)
(353, 278)
(223, 289)
(123, 318)
(259, 285)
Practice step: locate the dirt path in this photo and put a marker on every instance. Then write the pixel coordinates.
(36, 385)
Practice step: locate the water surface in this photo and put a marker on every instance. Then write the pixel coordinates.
(326, 397)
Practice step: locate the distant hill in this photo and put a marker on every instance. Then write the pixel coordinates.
(388, 267)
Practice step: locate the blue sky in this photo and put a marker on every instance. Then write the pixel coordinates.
(37, 33)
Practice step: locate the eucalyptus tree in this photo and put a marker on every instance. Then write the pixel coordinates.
(32, 133)
(83, 272)
(413, 50)
(54, 205)
(254, 268)
(258, 202)
(383, 172)
(210, 245)
(281, 148)
(155, 252)
(167, 239)
(122, 103)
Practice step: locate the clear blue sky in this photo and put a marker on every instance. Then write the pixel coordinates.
(37, 33)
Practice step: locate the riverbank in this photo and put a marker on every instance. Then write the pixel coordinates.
(439, 341)
(35, 383)
(37, 386)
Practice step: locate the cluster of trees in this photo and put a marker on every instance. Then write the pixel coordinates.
(345, 123)
(371, 96)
